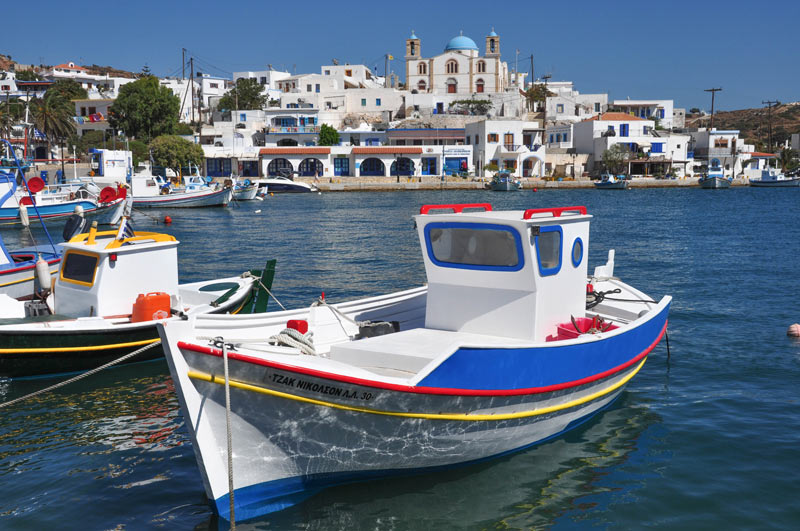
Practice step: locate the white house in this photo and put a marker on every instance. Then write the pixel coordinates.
(661, 110)
(97, 86)
(654, 152)
(182, 89)
(91, 115)
(569, 105)
(512, 145)
(720, 148)
(268, 79)
(459, 69)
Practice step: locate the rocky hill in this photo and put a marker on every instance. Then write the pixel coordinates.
(754, 123)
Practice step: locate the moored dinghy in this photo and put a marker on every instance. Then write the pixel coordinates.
(502, 350)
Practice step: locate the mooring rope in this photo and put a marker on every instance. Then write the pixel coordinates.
(247, 274)
(228, 431)
(82, 375)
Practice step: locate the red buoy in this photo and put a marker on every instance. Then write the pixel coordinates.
(167, 220)
(535, 190)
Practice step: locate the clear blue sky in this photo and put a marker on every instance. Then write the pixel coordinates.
(636, 49)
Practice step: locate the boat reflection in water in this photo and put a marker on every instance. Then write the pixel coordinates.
(534, 488)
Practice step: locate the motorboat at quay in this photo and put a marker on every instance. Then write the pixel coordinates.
(111, 290)
(280, 185)
(510, 343)
(18, 267)
(504, 182)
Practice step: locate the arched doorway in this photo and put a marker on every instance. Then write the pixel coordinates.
(275, 166)
(40, 153)
(372, 168)
(402, 166)
(287, 142)
(310, 167)
(529, 166)
(452, 86)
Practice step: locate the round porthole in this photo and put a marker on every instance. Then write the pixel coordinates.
(577, 252)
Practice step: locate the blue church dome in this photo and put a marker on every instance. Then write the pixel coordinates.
(461, 43)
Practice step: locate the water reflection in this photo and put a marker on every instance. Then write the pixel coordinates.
(532, 489)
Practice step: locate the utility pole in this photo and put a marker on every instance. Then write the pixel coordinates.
(532, 78)
(769, 104)
(713, 91)
(191, 83)
(183, 63)
(544, 120)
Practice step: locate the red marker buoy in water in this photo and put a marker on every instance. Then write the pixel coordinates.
(167, 220)
(535, 190)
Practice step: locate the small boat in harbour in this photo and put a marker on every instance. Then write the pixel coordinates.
(111, 290)
(713, 180)
(244, 190)
(772, 178)
(18, 268)
(609, 181)
(503, 349)
(156, 191)
(282, 185)
(504, 182)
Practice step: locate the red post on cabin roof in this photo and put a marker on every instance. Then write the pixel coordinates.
(556, 212)
(457, 208)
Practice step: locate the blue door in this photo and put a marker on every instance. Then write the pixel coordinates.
(341, 166)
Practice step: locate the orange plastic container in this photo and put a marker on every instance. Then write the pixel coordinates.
(151, 306)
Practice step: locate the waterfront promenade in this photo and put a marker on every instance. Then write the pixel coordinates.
(384, 184)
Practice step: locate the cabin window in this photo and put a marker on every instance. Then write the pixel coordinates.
(577, 252)
(479, 246)
(79, 268)
(548, 250)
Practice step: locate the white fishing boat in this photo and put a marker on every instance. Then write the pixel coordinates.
(111, 290)
(609, 181)
(156, 191)
(772, 178)
(503, 349)
(245, 190)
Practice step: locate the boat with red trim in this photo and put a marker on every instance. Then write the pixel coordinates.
(510, 343)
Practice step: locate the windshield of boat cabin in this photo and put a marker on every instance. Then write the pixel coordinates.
(474, 246)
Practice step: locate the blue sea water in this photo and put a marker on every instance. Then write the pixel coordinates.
(706, 438)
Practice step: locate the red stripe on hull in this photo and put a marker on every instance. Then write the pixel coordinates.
(423, 390)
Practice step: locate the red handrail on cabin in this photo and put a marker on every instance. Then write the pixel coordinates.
(556, 212)
(458, 208)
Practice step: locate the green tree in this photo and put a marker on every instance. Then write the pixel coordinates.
(66, 89)
(537, 92)
(172, 151)
(328, 136)
(246, 94)
(788, 159)
(144, 109)
(53, 117)
(183, 129)
(694, 110)
(616, 157)
(28, 75)
(140, 151)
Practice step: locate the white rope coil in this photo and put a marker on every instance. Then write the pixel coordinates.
(289, 337)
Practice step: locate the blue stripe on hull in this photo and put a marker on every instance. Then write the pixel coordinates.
(491, 369)
(258, 500)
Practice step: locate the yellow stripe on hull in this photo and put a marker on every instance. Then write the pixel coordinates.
(77, 349)
(430, 416)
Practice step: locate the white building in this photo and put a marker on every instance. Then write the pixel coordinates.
(97, 86)
(720, 148)
(653, 153)
(661, 110)
(91, 115)
(460, 69)
(512, 145)
(569, 105)
(182, 89)
(268, 79)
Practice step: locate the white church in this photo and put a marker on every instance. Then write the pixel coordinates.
(460, 69)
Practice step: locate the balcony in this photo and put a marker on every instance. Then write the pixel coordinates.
(511, 148)
(295, 129)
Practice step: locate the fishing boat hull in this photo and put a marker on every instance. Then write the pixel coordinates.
(504, 186)
(17, 281)
(185, 200)
(245, 193)
(55, 344)
(616, 185)
(777, 183)
(715, 183)
(105, 213)
(299, 427)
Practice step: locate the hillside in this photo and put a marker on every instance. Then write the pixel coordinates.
(754, 123)
(6, 63)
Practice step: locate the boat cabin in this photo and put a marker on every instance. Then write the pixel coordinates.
(515, 274)
(102, 275)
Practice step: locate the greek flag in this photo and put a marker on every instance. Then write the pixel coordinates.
(125, 229)
(38, 135)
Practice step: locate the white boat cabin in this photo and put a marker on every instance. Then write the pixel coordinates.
(102, 276)
(512, 273)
